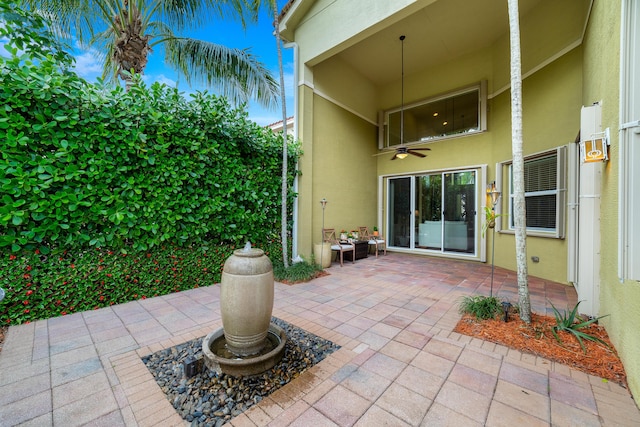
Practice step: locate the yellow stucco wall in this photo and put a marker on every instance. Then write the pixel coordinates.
(551, 118)
(621, 301)
(343, 170)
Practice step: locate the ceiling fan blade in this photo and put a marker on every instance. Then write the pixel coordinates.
(421, 149)
(395, 156)
(415, 153)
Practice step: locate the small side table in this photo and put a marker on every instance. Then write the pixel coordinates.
(362, 250)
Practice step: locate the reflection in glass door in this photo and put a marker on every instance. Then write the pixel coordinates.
(429, 211)
(459, 211)
(440, 209)
(400, 212)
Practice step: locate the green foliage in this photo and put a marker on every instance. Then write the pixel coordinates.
(572, 323)
(41, 286)
(302, 271)
(85, 165)
(28, 37)
(481, 307)
(490, 217)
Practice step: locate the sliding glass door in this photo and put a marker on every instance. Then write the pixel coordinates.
(440, 208)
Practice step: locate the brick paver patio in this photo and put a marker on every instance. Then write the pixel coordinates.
(400, 363)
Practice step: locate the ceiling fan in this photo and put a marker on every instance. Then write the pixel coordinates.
(402, 150)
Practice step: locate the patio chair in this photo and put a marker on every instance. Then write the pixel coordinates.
(376, 241)
(329, 235)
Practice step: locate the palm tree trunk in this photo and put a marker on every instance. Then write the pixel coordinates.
(519, 206)
(283, 233)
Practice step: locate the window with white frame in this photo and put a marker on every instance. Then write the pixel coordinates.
(545, 192)
(452, 114)
(629, 152)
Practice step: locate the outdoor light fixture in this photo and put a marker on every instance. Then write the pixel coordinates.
(493, 192)
(506, 305)
(595, 149)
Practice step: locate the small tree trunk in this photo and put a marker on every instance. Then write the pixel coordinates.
(519, 206)
(285, 157)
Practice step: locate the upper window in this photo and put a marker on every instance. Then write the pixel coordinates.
(544, 192)
(452, 114)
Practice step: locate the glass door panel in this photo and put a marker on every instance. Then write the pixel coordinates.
(459, 211)
(400, 212)
(429, 212)
(436, 212)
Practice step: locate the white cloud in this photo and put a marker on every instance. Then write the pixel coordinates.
(89, 64)
(160, 78)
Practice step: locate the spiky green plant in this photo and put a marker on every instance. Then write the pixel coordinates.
(572, 323)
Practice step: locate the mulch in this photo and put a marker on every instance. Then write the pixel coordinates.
(537, 338)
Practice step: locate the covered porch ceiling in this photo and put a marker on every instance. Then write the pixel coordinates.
(437, 33)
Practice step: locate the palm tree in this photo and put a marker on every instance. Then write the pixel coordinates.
(283, 231)
(126, 32)
(519, 206)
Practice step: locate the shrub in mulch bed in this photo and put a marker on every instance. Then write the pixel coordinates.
(536, 338)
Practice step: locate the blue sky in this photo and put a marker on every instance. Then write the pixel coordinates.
(257, 36)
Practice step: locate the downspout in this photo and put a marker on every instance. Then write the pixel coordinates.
(294, 233)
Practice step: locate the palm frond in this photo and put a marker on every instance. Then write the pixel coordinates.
(182, 14)
(235, 72)
(78, 17)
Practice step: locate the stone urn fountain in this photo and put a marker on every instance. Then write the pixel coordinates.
(248, 342)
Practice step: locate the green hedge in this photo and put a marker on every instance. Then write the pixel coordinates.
(82, 165)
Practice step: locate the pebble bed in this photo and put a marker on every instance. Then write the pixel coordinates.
(209, 399)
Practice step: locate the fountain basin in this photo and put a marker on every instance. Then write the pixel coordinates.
(218, 359)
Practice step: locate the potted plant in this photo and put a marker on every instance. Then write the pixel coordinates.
(343, 234)
(489, 219)
(375, 231)
(354, 234)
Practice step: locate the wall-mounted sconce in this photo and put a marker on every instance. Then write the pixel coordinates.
(493, 193)
(595, 149)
